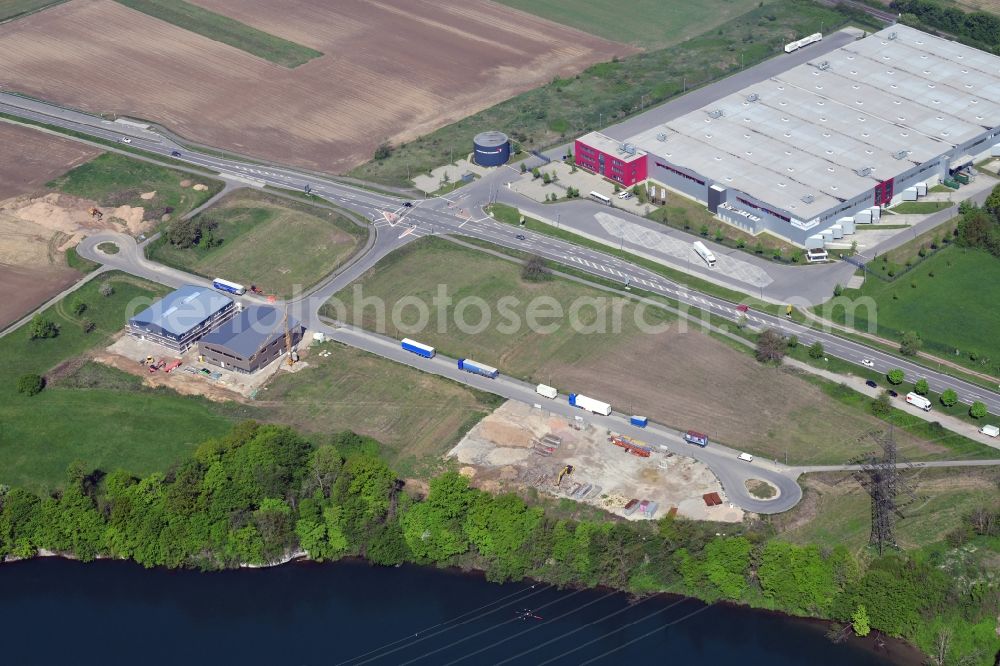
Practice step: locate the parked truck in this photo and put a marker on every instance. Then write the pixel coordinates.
(990, 430)
(546, 391)
(589, 404)
(418, 348)
(696, 438)
(477, 368)
(704, 253)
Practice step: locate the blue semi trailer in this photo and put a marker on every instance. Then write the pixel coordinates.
(477, 368)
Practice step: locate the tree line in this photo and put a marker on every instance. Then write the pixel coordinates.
(981, 29)
(263, 493)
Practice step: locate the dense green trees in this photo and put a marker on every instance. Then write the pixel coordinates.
(262, 494)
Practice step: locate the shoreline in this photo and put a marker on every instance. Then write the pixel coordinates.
(896, 650)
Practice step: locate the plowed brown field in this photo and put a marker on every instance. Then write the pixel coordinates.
(32, 158)
(393, 70)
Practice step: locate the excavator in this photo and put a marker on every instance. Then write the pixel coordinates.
(96, 213)
(565, 471)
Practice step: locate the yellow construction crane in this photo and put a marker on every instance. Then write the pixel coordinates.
(288, 339)
(565, 471)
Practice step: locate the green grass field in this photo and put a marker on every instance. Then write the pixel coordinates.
(836, 510)
(650, 24)
(921, 207)
(274, 243)
(607, 92)
(226, 30)
(14, 8)
(116, 180)
(778, 412)
(416, 416)
(141, 431)
(953, 309)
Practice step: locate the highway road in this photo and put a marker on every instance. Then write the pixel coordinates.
(397, 225)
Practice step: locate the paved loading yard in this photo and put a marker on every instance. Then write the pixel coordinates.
(499, 454)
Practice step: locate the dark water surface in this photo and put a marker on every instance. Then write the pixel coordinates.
(54, 611)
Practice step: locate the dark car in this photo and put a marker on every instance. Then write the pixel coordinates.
(519, 237)
(175, 153)
(871, 383)
(893, 394)
(407, 204)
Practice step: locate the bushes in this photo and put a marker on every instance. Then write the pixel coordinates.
(30, 384)
(41, 328)
(771, 346)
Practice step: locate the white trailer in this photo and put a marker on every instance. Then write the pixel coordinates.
(704, 253)
(546, 391)
(990, 430)
(589, 404)
(918, 400)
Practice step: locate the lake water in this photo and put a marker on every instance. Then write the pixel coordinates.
(54, 611)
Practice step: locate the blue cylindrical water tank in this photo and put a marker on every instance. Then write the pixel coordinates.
(491, 148)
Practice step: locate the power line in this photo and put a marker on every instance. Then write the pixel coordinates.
(458, 617)
(581, 628)
(483, 631)
(613, 631)
(645, 635)
(536, 626)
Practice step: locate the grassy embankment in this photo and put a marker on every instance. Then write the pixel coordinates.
(649, 24)
(920, 207)
(607, 92)
(226, 30)
(139, 430)
(938, 298)
(836, 510)
(116, 180)
(281, 245)
(778, 413)
(12, 9)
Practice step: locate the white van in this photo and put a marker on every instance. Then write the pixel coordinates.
(918, 400)
(746, 457)
(990, 430)
(625, 194)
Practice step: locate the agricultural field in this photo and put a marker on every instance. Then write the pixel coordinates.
(32, 265)
(954, 285)
(835, 509)
(226, 30)
(648, 24)
(138, 430)
(684, 379)
(278, 244)
(113, 180)
(392, 70)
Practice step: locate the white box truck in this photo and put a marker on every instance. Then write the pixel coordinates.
(546, 391)
(990, 430)
(918, 400)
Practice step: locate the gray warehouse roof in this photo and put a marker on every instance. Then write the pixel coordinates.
(182, 310)
(802, 140)
(245, 334)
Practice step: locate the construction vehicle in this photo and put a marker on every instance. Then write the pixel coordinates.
(173, 365)
(565, 471)
(153, 367)
(96, 213)
(146, 361)
(292, 356)
(633, 446)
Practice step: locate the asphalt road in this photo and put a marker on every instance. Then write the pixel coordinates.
(397, 225)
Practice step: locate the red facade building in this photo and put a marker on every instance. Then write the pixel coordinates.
(612, 159)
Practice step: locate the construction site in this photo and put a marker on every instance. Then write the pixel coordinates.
(519, 447)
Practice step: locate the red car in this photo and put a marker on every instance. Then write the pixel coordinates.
(742, 308)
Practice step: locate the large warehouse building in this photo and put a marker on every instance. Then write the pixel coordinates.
(181, 317)
(812, 152)
(249, 341)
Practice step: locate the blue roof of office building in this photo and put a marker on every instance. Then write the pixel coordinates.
(180, 311)
(249, 331)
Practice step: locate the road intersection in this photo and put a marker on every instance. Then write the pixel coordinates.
(395, 225)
